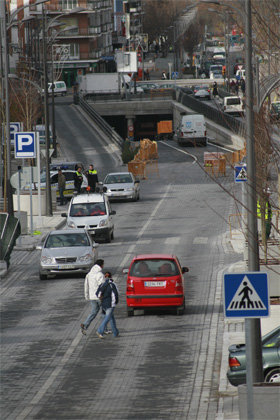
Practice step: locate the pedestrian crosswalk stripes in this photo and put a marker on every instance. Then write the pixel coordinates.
(246, 297)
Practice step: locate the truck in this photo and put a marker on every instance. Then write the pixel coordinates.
(164, 130)
(191, 130)
(104, 83)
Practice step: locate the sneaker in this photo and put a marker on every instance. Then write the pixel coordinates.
(83, 329)
(108, 332)
(99, 335)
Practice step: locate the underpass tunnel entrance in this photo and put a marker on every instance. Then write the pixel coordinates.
(144, 126)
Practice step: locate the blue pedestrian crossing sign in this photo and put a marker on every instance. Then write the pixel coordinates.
(240, 173)
(246, 295)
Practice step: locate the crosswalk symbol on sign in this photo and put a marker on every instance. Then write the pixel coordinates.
(246, 295)
(240, 173)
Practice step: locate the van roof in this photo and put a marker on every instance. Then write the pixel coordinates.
(88, 198)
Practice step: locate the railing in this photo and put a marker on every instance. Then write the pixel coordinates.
(218, 116)
(102, 124)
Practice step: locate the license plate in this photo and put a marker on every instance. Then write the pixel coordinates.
(66, 267)
(155, 283)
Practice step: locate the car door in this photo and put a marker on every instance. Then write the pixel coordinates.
(69, 187)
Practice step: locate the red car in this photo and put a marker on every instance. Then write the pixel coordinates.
(155, 280)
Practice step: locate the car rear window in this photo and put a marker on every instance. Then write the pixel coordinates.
(154, 268)
(67, 240)
(233, 101)
(118, 179)
(87, 209)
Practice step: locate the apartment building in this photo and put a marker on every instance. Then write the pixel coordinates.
(85, 47)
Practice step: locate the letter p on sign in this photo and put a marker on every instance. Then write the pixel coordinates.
(25, 145)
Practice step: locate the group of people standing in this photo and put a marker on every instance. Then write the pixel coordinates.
(102, 293)
(92, 179)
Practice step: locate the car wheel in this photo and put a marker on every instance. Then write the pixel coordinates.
(180, 310)
(43, 276)
(273, 375)
(130, 312)
(108, 238)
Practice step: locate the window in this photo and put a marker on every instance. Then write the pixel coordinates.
(87, 209)
(68, 4)
(233, 101)
(155, 268)
(67, 240)
(74, 51)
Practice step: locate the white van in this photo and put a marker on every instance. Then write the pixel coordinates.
(91, 212)
(233, 105)
(59, 88)
(192, 129)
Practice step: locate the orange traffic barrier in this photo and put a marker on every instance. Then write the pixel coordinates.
(137, 168)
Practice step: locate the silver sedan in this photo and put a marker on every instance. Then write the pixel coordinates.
(70, 251)
(122, 185)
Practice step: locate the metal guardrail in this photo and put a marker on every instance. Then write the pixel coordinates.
(102, 124)
(218, 116)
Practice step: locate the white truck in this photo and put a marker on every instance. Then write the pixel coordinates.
(105, 83)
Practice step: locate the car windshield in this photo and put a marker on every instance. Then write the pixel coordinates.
(276, 106)
(154, 268)
(233, 101)
(118, 179)
(272, 341)
(62, 240)
(87, 209)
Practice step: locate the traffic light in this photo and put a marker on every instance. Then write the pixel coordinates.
(224, 71)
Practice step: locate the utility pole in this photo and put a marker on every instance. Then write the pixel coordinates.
(46, 106)
(5, 61)
(252, 326)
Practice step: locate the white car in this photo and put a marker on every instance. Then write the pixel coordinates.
(91, 211)
(121, 186)
(69, 187)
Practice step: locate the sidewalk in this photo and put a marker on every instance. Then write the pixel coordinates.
(234, 333)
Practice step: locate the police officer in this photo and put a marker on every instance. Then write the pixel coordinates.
(78, 179)
(92, 178)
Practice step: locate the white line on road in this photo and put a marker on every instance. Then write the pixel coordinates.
(179, 150)
(44, 388)
(200, 240)
(174, 240)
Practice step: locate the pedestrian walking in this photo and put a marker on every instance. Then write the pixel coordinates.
(61, 183)
(243, 86)
(92, 282)
(215, 89)
(232, 86)
(92, 178)
(163, 76)
(78, 179)
(109, 296)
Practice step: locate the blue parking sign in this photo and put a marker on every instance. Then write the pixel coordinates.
(15, 127)
(25, 145)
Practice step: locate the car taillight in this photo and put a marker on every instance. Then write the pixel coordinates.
(130, 286)
(205, 133)
(233, 362)
(179, 286)
(208, 90)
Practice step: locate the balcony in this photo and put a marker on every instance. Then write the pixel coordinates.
(81, 32)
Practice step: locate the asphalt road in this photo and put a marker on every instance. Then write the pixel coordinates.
(162, 365)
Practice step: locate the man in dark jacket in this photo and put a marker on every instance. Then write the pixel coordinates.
(78, 179)
(92, 178)
(109, 296)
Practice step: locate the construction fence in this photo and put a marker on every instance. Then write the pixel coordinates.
(215, 163)
(145, 161)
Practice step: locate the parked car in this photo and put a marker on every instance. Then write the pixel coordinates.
(155, 281)
(91, 211)
(66, 165)
(69, 251)
(274, 112)
(270, 355)
(202, 92)
(148, 86)
(187, 90)
(69, 187)
(121, 185)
